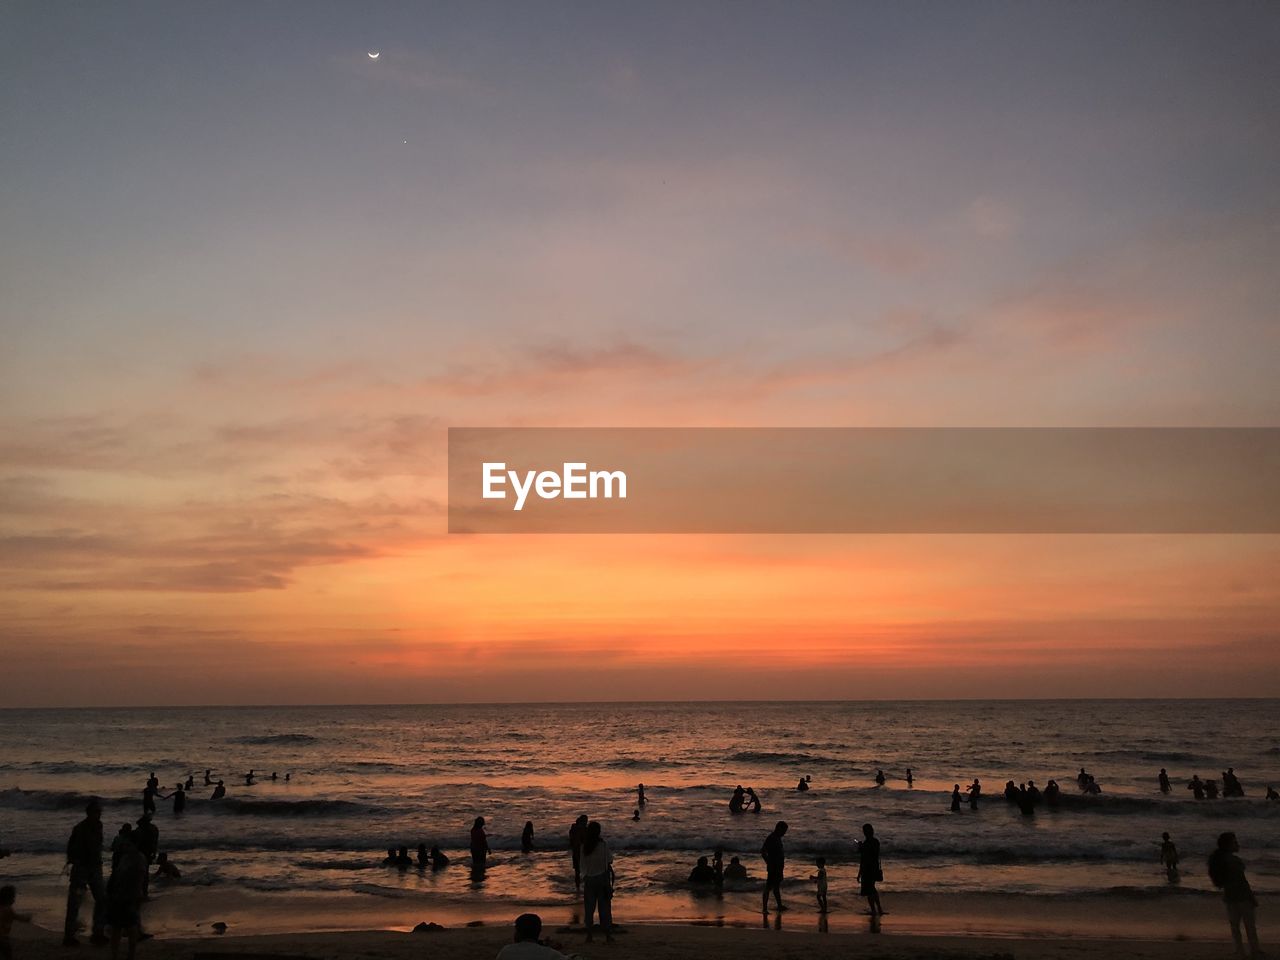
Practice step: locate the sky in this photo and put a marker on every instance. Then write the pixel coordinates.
(249, 276)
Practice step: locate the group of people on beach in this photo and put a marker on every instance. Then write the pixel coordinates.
(118, 898)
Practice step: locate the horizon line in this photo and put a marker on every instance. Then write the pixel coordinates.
(628, 702)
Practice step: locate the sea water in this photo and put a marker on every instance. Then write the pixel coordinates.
(363, 779)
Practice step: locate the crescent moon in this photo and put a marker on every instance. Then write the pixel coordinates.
(374, 54)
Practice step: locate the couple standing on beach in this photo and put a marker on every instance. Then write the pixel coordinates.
(593, 874)
(869, 872)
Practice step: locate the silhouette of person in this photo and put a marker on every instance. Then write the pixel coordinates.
(955, 799)
(821, 888)
(635, 814)
(735, 872)
(1231, 784)
(910, 779)
(84, 856)
(577, 834)
(479, 844)
(597, 882)
(803, 785)
(208, 780)
(219, 791)
(1211, 789)
(640, 800)
(753, 802)
(737, 800)
(424, 858)
(1051, 793)
(774, 854)
(1165, 786)
(191, 782)
(526, 945)
(880, 778)
(1082, 778)
(717, 866)
(390, 860)
(1023, 799)
(125, 892)
(1196, 786)
(1226, 870)
(179, 800)
(702, 872)
(9, 916)
(273, 776)
(165, 868)
(146, 837)
(124, 836)
(526, 837)
(403, 860)
(975, 791)
(439, 860)
(869, 872)
(1169, 857)
(149, 795)
(1271, 793)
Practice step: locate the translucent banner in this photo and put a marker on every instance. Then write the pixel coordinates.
(864, 480)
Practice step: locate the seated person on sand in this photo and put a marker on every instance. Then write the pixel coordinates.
(702, 873)
(526, 945)
(165, 870)
(735, 872)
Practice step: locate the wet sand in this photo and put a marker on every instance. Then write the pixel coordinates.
(653, 942)
(960, 925)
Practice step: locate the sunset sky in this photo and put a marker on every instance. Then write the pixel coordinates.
(249, 276)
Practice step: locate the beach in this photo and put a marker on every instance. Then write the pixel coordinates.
(307, 855)
(656, 942)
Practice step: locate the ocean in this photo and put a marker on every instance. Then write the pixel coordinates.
(363, 779)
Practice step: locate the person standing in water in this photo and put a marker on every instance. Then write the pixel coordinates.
(1226, 870)
(84, 857)
(577, 834)
(869, 872)
(774, 854)
(955, 799)
(597, 882)
(1169, 857)
(219, 791)
(526, 838)
(479, 845)
(975, 791)
(179, 800)
(640, 800)
(1163, 779)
